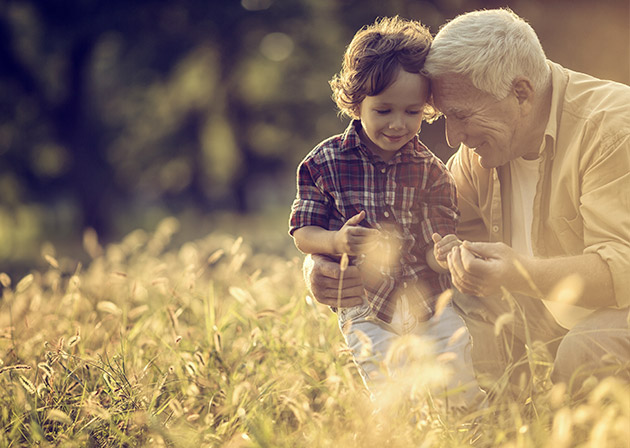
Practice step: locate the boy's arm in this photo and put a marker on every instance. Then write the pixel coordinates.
(351, 239)
(315, 240)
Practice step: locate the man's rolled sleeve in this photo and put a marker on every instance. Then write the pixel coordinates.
(617, 257)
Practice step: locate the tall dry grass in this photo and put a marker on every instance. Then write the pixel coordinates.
(215, 343)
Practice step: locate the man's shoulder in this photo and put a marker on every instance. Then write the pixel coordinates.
(588, 97)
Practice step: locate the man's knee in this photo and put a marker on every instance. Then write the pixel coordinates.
(599, 346)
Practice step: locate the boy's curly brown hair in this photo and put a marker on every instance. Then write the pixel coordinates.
(373, 59)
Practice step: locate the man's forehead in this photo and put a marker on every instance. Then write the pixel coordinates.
(453, 91)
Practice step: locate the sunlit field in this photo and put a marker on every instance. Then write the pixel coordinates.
(215, 342)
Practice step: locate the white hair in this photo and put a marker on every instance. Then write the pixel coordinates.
(490, 47)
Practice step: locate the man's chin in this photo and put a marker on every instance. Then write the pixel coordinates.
(485, 163)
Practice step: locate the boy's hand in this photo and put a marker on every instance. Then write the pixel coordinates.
(443, 246)
(353, 239)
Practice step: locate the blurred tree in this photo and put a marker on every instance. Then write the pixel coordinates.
(109, 108)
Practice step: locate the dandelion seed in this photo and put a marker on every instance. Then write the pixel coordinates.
(343, 265)
(178, 339)
(5, 280)
(446, 357)
(55, 415)
(236, 246)
(109, 381)
(199, 358)
(217, 342)
(95, 410)
(191, 368)
(74, 340)
(442, 301)
(192, 417)
(215, 256)
(27, 385)
(15, 367)
(237, 262)
(42, 390)
(24, 283)
(241, 295)
(501, 321)
(138, 311)
(46, 368)
(75, 281)
(457, 335)
(51, 261)
(106, 306)
(561, 433)
(90, 243)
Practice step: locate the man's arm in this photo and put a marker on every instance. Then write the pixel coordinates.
(482, 268)
(322, 275)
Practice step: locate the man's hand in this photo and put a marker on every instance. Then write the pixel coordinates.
(353, 239)
(443, 246)
(480, 269)
(322, 274)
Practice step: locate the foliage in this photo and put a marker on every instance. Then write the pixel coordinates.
(109, 107)
(212, 343)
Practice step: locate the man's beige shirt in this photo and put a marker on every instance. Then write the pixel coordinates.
(582, 202)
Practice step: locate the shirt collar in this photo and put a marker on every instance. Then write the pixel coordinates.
(351, 139)
(559, 80)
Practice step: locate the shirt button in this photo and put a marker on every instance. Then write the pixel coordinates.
(386, 214)
(495, 229)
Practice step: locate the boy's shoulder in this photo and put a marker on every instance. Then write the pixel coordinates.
(418, 149)
(333, 147)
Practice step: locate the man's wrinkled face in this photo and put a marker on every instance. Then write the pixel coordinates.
(478, 120)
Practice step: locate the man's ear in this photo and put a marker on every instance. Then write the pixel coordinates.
(523, 89)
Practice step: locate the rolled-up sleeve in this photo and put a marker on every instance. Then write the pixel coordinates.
(605, 208)
(311, 206)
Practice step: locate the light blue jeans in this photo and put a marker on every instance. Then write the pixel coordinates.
(441, 341)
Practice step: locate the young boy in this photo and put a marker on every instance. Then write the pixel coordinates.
(377, 194)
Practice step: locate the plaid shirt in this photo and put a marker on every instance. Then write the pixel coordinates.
(407, 198)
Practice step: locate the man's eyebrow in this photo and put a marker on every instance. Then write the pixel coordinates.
(455, 111)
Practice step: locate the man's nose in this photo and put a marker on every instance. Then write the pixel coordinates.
(454, 132)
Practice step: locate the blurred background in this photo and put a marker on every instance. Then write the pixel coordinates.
(115, 114)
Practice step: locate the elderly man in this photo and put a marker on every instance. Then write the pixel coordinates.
(543, 178)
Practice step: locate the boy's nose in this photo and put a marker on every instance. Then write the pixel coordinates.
(396, 123)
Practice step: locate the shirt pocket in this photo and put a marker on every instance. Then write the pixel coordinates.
(406, 206)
